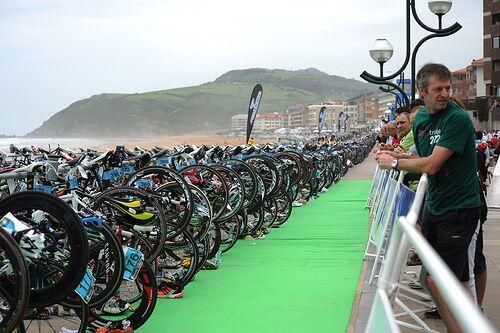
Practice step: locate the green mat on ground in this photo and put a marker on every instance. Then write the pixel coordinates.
(301, 278)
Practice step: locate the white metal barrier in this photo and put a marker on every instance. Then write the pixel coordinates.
(382, 198)
(376, 176)
(390, 287)
(381, 317)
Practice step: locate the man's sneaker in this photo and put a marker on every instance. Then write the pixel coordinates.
(432, 314)
(415, 285)
(212, 264)
(414, 261)
(259, 235)
(296, 204)
(167, 292)
(66, 312)
(112, 330)
(116, 306)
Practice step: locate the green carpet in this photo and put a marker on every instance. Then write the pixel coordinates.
(301, 278)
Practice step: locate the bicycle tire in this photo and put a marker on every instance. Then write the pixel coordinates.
(65, 220)
(15, 285)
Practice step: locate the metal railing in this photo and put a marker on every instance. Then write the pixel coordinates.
(403, 235)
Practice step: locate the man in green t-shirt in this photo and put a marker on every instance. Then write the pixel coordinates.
(444, 139)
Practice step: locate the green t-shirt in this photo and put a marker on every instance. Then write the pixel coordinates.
(407, 140)
(455, 186)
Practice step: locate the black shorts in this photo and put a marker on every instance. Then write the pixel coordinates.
(479, 259)
(450, 235)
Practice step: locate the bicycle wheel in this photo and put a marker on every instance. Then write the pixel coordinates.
(284, 207)
(14, 283)
(202, 213)
(211, 183)
(236, 189)
(58, 261)
(214, 239)
(134, 209)
(140, 295)
(255, 220)
(177, 200)
(230, 230)
(247, 176)
(179, 258)
(55, 319)
(267, 170)
(107, 264)
(270, 212)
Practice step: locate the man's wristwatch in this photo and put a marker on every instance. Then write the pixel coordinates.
(394, 164)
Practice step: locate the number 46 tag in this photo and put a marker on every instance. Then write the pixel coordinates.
(133, 263)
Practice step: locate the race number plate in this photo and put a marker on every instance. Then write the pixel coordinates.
(133, 263)
(86, 287)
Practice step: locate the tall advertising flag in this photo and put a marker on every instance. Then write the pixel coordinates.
(341, 116)
(253, 107)
(347, 122)
(321, 120)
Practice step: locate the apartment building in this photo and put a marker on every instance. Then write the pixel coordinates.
(491, 46)
(459, 86)
(268, 122)
(239, 121)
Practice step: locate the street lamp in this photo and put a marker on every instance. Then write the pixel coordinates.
(381, 51)
(437, 7)
(440, 7)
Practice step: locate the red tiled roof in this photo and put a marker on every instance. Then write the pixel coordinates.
(269, 115)
(478, 62)
(462, 71)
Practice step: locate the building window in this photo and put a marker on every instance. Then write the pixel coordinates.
(496, 65)
(495, 19)
(496, 42)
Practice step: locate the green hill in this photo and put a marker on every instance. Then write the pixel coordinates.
(199, 108)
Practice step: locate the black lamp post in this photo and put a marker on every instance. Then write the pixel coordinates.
(438, 7)
(391, 91)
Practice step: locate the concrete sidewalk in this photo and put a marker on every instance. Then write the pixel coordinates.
(491, 304)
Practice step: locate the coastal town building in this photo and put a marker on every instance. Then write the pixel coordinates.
(295, 116)
(475, 79)
(368, 107)
(350, 107)
(468, 83)
(459, 87)
(239, 122)
(268, 122)
(491, 47)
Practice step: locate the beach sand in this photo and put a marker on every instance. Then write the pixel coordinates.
(170, 141)
(102, 144)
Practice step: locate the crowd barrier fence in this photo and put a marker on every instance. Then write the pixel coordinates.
(394, 211)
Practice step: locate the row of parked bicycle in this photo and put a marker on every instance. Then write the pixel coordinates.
(90, 240)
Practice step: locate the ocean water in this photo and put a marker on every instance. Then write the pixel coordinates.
(53, 142)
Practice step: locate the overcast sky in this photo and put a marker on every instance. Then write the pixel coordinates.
(55, 52)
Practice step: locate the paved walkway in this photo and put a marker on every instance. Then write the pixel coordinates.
(491, 304)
